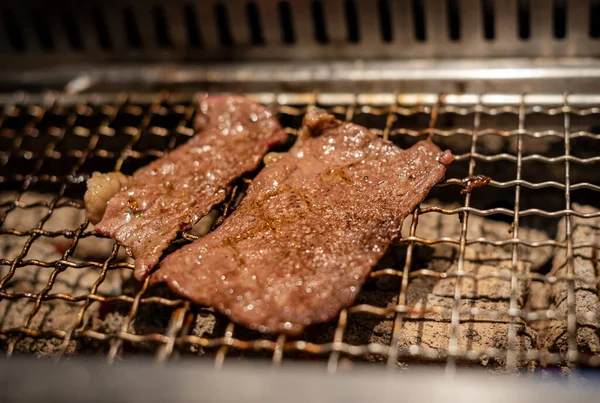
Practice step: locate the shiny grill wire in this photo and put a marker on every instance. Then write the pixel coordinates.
(38, 154)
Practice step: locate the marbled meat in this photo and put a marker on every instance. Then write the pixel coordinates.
(310, 229)
(145, 212)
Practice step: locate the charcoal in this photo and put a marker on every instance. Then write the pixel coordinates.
(587, 303)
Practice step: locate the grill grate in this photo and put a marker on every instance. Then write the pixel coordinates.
(51, 144)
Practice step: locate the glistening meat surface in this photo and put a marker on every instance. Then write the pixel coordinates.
(145, 212)
(312, 225)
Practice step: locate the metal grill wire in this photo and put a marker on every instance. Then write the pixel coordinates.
(177, 334)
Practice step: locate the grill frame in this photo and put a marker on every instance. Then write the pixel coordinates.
(70, 32)
(175, 336)
(193, 381)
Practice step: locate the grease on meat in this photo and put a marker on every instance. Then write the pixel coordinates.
(172, 193)
(310, 229)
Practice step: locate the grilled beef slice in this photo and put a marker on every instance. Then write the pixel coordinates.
(144, 213)
(312, 225)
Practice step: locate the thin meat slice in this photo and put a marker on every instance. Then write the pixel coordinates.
(145, 213)
(311, 227)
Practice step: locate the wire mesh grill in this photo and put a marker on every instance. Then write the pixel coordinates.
(541, 153)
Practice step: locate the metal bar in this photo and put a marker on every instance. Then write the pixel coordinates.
(282, 338)
(338, 342)
(391, 117)
(343, 347)
(116, 344)
(571, 304)
(176, 323)
(412, 102)
(277, 357)
(255, 383)
(593, 282)
(393, 133)
(222, 352)
(392, 360)
(121, 298)
(278, 351)
(455, 318)
(512, 354)
(338, 337)
(78, 323)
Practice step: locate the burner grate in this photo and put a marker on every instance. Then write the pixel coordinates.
(540, 151)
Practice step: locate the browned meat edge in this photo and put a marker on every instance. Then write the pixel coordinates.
(145, 213)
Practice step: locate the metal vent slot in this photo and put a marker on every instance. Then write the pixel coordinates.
(559, 19)
(132, 30)
(72, 30)
(385, 19)
(489, 19)
(297, 30)
(254, 24)
(524, 18)
(352, 21)
(319, 22)
(595, 18)
(191, 27)
(42, 30)
(222, 18)
(418, 12)
(453, 20)
(102, 34)
(162, 31)
(287, 28)
(13, 31)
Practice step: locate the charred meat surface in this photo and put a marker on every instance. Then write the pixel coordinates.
(145, 213)
(312, 225)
